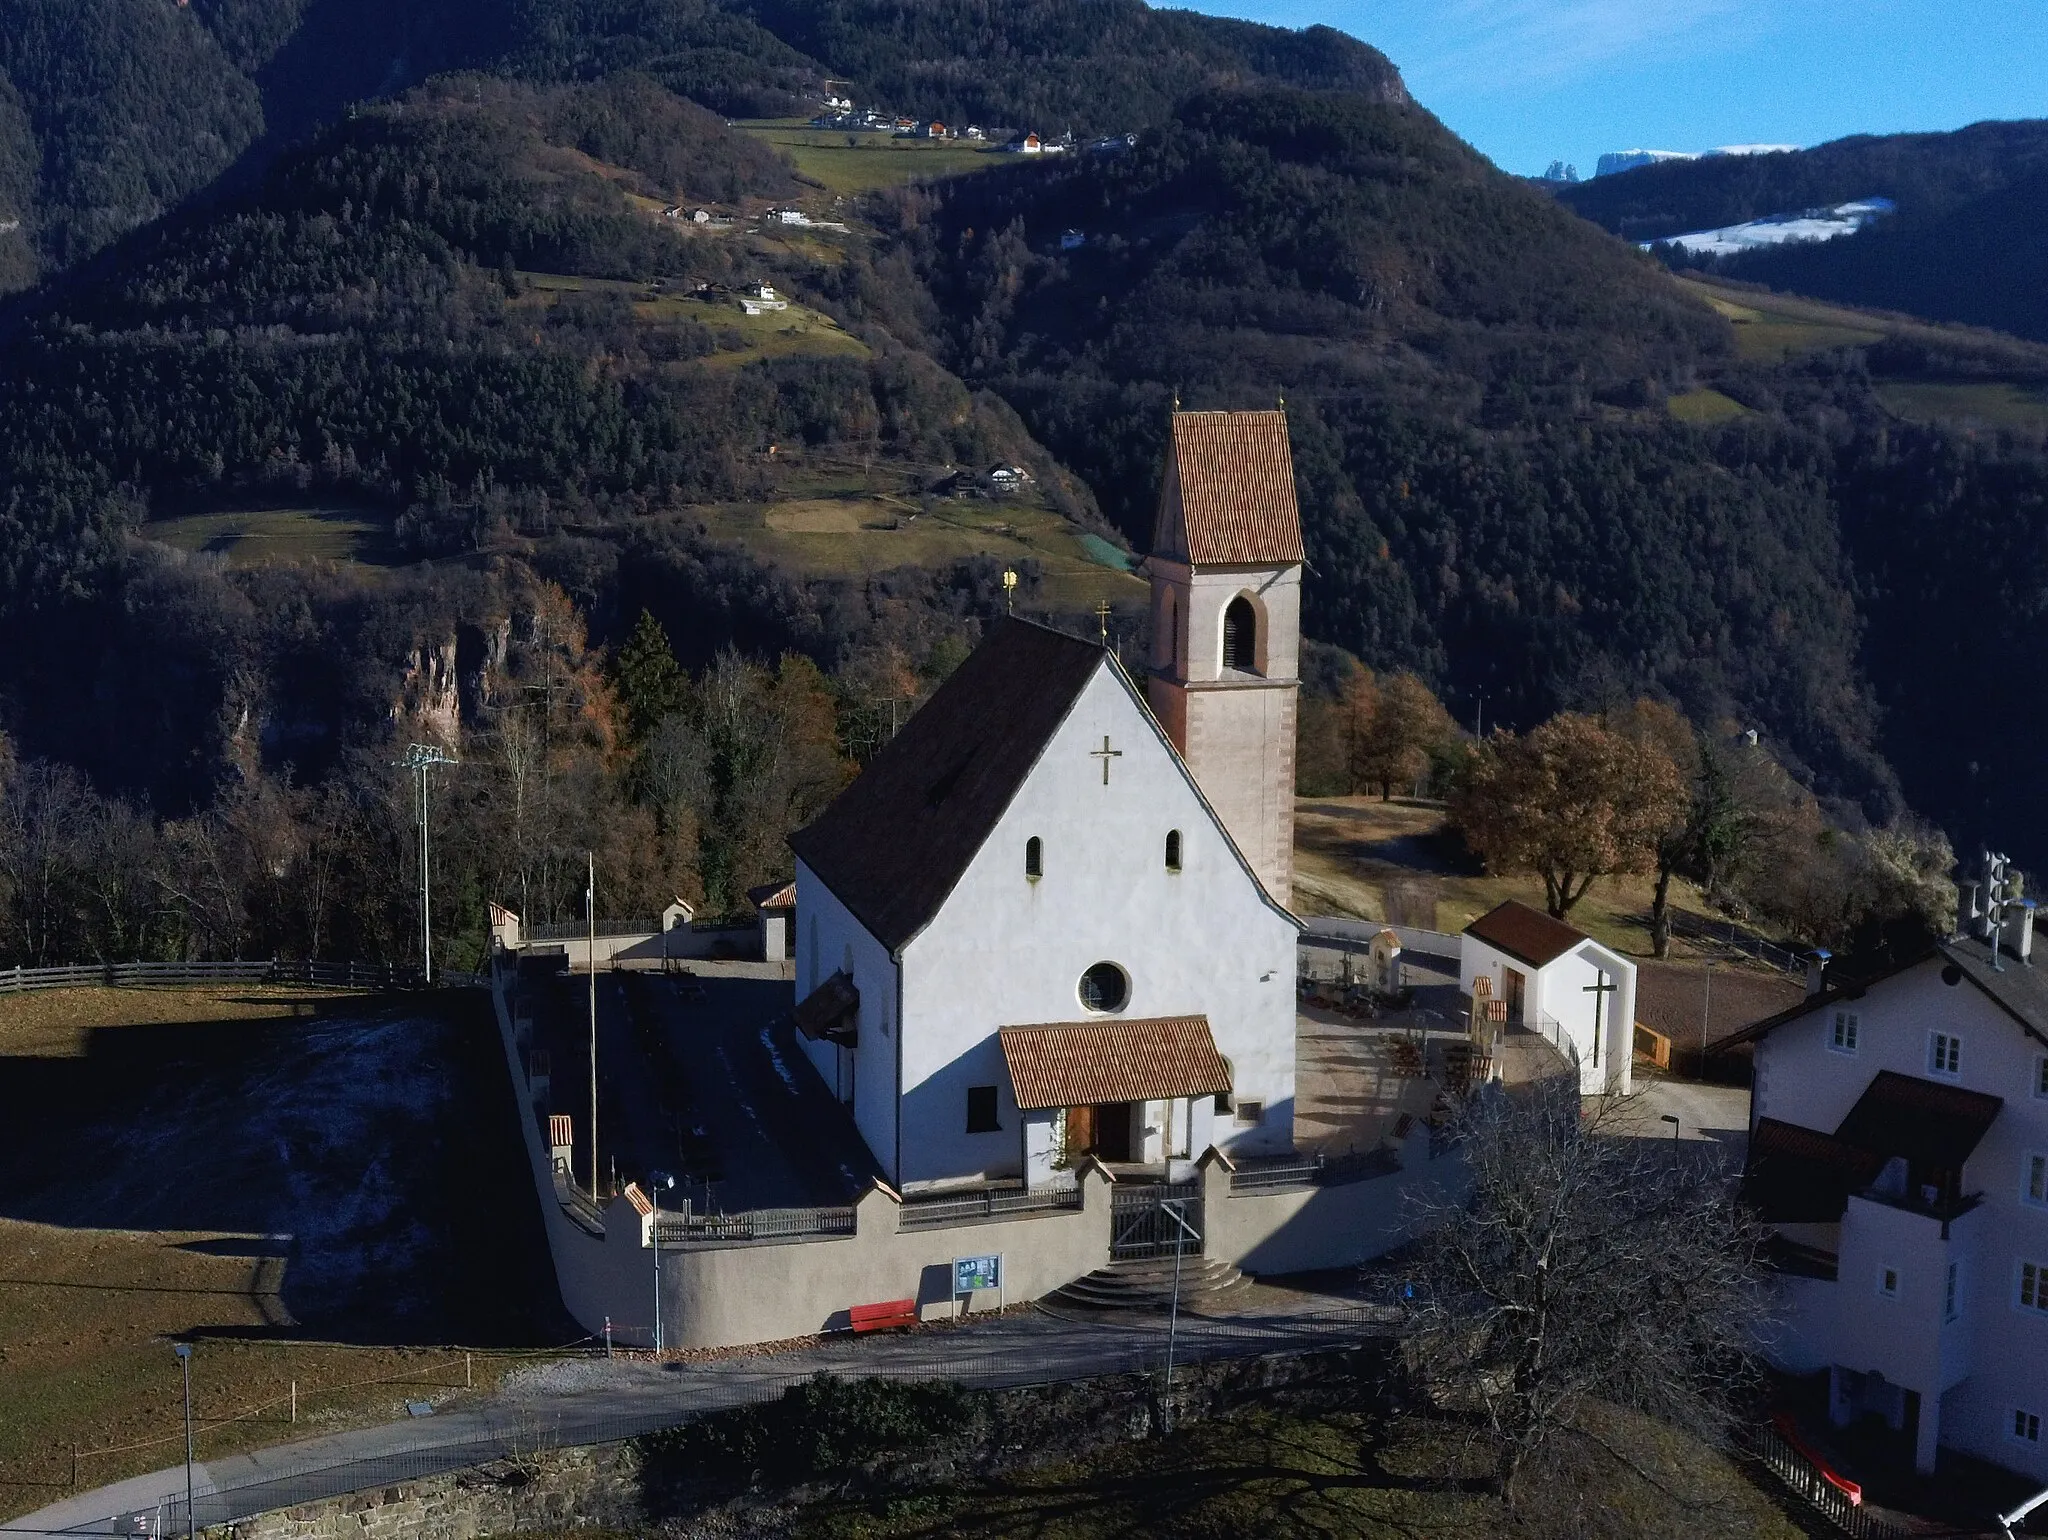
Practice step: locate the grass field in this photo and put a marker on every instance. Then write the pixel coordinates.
(774, 334)
(315, 1188)
(1349, 852)
(1776, 326)
(872, 160)
(848, 531)
(280, 534)
(1304, 1477)
(1704, 406)
(1992, 405)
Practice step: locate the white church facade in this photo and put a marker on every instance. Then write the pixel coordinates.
(1049, 919)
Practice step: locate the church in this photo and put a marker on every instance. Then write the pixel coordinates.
(1050, 919)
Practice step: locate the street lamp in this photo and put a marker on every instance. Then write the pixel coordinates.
(1175, 1209)
(1706, 1013)
(184, 1352)
(656, 1182)
(420, 758)
(1673, 1121)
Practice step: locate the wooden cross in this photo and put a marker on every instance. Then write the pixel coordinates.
(1105, 754)
(1599, 991)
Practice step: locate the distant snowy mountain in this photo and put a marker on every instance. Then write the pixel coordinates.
(1781, 229)
(1628, 160)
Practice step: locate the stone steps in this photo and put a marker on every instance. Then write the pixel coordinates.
(1147, 1284)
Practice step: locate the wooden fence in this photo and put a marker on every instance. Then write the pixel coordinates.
(348, 975)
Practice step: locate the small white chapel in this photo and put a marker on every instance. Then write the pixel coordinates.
(1050, 919)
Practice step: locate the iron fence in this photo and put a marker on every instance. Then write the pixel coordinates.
(1807, 1480)
(461, 1440)
(579, 930)
(1139, 1225)
(1276, 1174)
(687, 1227)
(1697, 927)
(989, 1203)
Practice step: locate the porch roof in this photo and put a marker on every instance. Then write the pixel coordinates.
(1084, 1063)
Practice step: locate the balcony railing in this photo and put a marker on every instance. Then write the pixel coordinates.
(986, 1204)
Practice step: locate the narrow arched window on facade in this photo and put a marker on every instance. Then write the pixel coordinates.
(1173, 850)
(1241, 635)
(1034, 858)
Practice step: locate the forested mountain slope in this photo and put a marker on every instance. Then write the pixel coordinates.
(1966, 242)
(113, 111)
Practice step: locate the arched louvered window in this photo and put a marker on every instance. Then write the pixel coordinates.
(1241, 635)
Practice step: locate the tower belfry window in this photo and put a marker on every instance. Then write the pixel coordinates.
(1240, 635)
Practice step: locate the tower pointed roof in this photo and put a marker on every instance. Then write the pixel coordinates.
(1229, 493)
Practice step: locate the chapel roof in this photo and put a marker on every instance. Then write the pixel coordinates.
(894, 843)
(1526, 934)
(1085, 1063)
(1229, 493)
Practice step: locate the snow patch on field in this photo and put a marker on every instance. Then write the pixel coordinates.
(1781, 229)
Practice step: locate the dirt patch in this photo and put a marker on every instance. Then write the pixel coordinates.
(1676, 999)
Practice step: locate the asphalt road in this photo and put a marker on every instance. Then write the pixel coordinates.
(596, 1400)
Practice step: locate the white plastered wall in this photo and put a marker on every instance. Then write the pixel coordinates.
(828, 939)
(1006, 950)
(1559, 991)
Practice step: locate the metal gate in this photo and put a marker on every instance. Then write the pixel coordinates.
(1139, 1227)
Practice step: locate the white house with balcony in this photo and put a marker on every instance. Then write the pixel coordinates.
(1899, 1150)
(1049, 918)
(1554, 979)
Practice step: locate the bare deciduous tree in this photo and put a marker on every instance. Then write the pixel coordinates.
(1584, 1264)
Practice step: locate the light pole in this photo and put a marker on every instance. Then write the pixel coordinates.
(1176, 1210)
(590, 961)
(1706, 1013)
(1673, 1121)
(420, 758)
(656, 1181)
(184, 1352)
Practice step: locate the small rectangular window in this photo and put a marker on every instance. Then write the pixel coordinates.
(1844, 1039)
(2037, 1179)
(2026, 1425)
(2034, 1286)
(1249, 1113)
(2041, 1077)
(1222, 1101)
(981, 1110)
(1944, 1054)
(1951, 1293)
(1888, 1282)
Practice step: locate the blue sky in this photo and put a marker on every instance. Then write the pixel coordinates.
(1531, 81)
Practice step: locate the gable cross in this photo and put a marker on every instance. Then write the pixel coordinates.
(1599, 990)
(1105, 754)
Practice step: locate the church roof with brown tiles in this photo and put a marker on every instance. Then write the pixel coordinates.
(1229, 493)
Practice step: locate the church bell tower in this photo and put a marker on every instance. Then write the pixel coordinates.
(1226, 625)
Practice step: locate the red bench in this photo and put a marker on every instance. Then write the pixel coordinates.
(886, 1316)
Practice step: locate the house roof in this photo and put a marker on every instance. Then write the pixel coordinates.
(1229, 493)
(1801, 1176)
(822, 1013)
(1928, 1123)
(894, 843)
(773, 895)
(1526, 934)
(1082, 1063)
(2021, 991)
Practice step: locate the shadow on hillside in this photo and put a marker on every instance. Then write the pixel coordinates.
(363, 1155)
